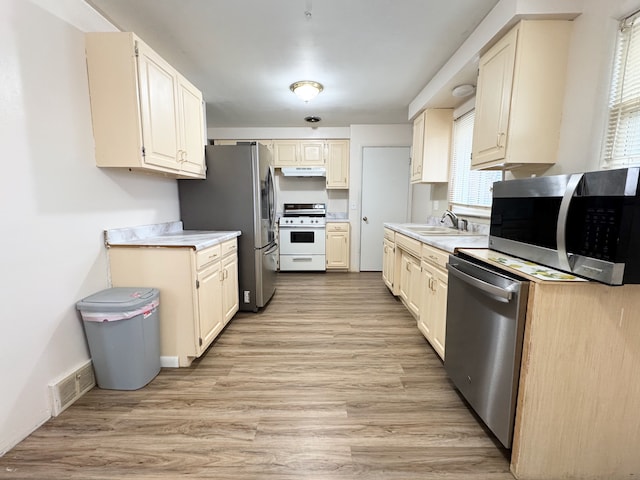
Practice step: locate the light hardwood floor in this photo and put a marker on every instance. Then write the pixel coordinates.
(332, 380)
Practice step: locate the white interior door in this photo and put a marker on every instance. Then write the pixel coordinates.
(385, 196)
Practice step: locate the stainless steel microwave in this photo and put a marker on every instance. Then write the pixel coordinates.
(587, 224)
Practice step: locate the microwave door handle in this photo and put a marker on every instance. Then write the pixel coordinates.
(561, 228)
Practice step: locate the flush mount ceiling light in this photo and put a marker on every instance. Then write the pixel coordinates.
(306, 89)
(463, 90)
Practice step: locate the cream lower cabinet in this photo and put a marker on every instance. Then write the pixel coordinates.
(410, 282)
(198, 292)
(409, 272)
(388, 262)
(146, 116)
(432, 321)
(337, 246)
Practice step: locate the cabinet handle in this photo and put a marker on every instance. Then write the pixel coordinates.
(434, 258)
(499, 140)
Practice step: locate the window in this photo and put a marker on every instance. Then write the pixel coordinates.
(469, 190)
(622, 137)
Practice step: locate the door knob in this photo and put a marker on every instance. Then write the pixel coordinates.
(365, 219)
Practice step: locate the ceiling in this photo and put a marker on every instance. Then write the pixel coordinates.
(372, 56)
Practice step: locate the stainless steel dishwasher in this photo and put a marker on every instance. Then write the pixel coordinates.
(485, 325)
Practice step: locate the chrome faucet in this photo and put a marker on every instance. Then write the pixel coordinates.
(452, 216)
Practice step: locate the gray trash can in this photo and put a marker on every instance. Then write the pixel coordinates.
(123, 333)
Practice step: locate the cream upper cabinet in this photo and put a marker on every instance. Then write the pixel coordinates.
(158, 85)
(198, 291)
(332, 154)
(337, 246)
(431, 146)
(337, 164)
(417, 146)
(285, 153)
(298, 153)
(312, 153)
(191, 121)
(433, 308)
(519, 99)
(146, 116)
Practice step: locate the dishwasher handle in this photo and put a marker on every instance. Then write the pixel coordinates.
(501, 293)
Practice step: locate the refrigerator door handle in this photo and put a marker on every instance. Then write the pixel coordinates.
(271, 249)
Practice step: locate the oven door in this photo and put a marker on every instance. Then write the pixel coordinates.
(302, 240)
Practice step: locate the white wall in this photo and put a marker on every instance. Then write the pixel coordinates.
(55, 205)
(588, 79)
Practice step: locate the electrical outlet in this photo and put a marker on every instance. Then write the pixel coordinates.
(247, 296)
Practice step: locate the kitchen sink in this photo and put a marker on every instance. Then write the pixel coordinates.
(437, 230)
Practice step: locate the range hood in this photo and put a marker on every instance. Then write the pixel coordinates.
(304, 171)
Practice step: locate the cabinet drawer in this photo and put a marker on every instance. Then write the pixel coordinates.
(207, 256)
(409, 244)
(435, 255)
(229, 246)
(337, 227)
(390, 235)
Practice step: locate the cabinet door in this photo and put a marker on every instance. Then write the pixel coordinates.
(415, 287)
(285, 153)
(388, 263)
(192, 137)
(439, 310)
(405, 276)
(312, 153)
(433, 308)
(158, 109)
(425, 320)
(436, 148)
(338, 164)
(209, 300)
(410, 282)
(417, 148)
(338, 249)
(493, 100)
(230, 293)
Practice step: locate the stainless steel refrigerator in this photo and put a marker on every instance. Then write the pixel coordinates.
(238, 194)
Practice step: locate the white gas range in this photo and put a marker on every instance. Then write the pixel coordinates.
(302, 237)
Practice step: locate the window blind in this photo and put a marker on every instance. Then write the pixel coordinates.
(468, 188)
(622, 137)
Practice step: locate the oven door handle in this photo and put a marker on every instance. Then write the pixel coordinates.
(501, 293)
(561, 227)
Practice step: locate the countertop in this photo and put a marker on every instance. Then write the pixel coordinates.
(448, 243)
(166, 235)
